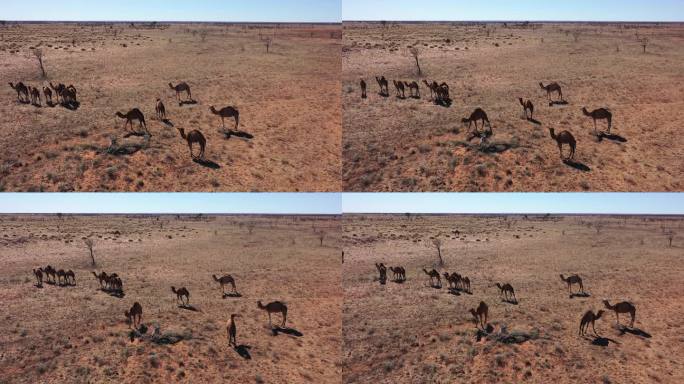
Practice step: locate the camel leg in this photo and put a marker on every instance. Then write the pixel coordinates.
(593, 326)
(284, 319)
(190, 146)
(633, 314)
(269, 320)
(223, 124)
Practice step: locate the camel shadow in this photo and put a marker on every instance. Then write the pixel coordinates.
(233, 294)
(243, 351)
(611, 137)
(117, 294)
(415, 97)
(401, 97)
(189, 307)
(167, 122)
(436, 286)
(50, 104)
(557, 102)
(38, 285)
(446, 103)
(579, 294)
(383, 94)
(187, 102)
(287, 331)
(602, 341)
(136, 134)
(239, 134)
(454, 291)
(207, 163)
(71, 105)
(399, 281)
(634, 331)
(534, 121)
(577, 165)
(23, 102)
(510, 301)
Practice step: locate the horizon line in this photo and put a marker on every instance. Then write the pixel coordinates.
(515, 21)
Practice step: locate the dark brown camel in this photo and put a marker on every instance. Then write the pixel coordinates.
(480, 314)
(38, 273)
(414, 89)
(181, 87)
(133, 114)
(274, 307)
(527, 106)
(399, 87)
(553, 87)
(133, 313)
(227, 112)
(573, 279)
(622, 307)
(478, 114)
(384, 84)
(589, 317)
(564, 137)
(180, 293)
(35, 95)
(363, 89)
(434, 276)
(160, 109)
(507, 291)
(21, 90)
(599, 114)
(48, 95)
(194, 136)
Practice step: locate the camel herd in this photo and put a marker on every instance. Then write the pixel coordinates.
(66, 96)
(480, 314)
(112, 283)
(439, 94)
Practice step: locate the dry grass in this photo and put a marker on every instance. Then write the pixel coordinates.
(413, 333)
(413, 145)
(288, 100)
(79, 334)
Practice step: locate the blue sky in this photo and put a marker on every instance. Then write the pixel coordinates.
(628, 203)
(173, 10)
(334, 203)
(549, 10)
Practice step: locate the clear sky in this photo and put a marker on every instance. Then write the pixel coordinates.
(545, 10)
(172, 10)
(276, 203)
(334, 203)
(625, 203)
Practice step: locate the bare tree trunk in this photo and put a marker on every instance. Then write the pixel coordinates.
(92, 257)
(418, 65)
(439, 254)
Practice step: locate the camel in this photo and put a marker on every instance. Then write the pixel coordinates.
(50, 272)
(589, 317)
(382, 270)
(58, 90)
(102, 278)
(622, 307)
(431, 88)
(38, 273)
(507, 291)
(383, 83)
(183, 86)
(564, 137)
(599, 114)
(232, 330)
(452, 280)
(399, 86)
(194, 136)
(133, 313)
(21, 90)
(414, 89)
(226, 279)
(399, 273)
(465, 283)
(35, 95)
(434, 275)
(48, 95)
(180, 293)
(443, 91)
(480, 314)
(527, 106)
(70, 277)
(160, 109)
(61, 277)
(553, 87)
(274, 307)
(478, 114)
(68, 94)
(227, 112)
(573, 279)
(133, 114)
(363, 89)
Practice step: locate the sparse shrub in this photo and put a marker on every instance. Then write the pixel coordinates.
(38, 54)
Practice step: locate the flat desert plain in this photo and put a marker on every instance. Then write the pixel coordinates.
(392, 144)
(412, 333)
(79, 334)
(289, 133)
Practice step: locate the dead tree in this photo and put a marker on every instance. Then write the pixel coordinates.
(438, 244)
(415, 53)
(321, 237)
(38, 53)
(89, 243)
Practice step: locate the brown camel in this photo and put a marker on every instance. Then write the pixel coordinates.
(622, 307)
(399, 273)
(58, 90)
(133, 313)
(414, 89)
(226, 279)
(453, 280)
(383, 83)
(181, 87)
(363, 89)
(382, 270)
(564, 137)
(61, 279)
(599, 114)
(573, 279)
(478, 114)
(133, 114)
(48, 95)
(507, 291)
(50, 272)
(101, 278)
(527, 106)
(553, 87)
(180, 293)
(160, 109)
(35, 95)
(38, 273)
(431, 87)
(480, 314)
(465, 283)
(227, 112)
(22, 92)
(399, 87)
(274, 307)
(232, 330)
(70, 277)
(194, 136)
(434, 275)
(589, 317)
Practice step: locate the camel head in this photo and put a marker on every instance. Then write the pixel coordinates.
(584, 110)
(213, 110)
(173, 289)
(171, 86)
(465, 120)
(607, 304)
(542, 85)
(599, 314)
(562, 278)
(234, 315)
(552, 132)
(261, 306)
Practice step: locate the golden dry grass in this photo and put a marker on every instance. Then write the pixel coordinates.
(78, 334)
(412, 333)
(413, 145)
(288, 100)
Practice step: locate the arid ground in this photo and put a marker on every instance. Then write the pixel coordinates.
(412, 333)
(79, 333)
(289, 135)
(390, 144)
